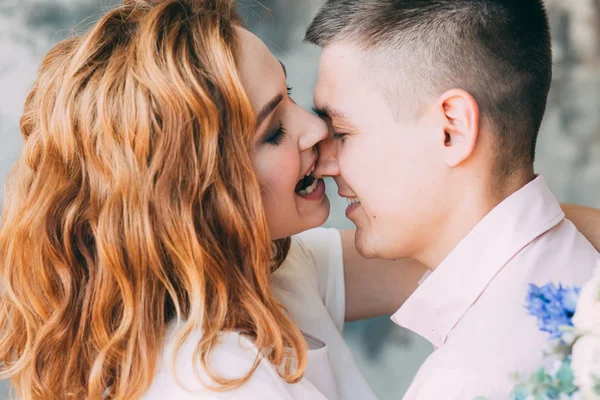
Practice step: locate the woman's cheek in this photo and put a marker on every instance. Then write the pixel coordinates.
(277, 173)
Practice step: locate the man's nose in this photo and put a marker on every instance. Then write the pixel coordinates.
(327, 164)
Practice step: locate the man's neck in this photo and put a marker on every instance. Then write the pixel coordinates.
(469, 208)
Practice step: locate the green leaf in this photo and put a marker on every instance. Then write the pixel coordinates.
(566, 378)
(541, 376)
(597, 385)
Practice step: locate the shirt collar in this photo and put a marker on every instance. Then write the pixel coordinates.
(444, 296)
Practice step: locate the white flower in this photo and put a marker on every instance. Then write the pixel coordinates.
(587, 312)
(586, 365)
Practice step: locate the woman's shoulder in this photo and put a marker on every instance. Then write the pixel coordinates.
(312, 253)
(318, 236)
(313, 273)
(318, 244)
(180, 375)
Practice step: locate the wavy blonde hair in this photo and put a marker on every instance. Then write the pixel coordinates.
(134, 205)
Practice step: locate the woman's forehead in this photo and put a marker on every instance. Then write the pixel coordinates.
(261, 73)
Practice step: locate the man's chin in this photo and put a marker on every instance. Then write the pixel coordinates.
(370, 245)
(365, 245)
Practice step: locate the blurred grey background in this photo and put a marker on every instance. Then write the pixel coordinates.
(568, 149)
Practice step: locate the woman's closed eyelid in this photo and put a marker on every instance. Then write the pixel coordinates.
(277, 135)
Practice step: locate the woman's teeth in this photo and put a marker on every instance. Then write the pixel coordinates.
(352, 201)
(307, 184)
(310, 189)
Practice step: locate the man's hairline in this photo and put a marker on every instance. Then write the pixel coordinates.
(375, 55)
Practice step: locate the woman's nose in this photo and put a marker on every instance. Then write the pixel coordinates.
(314, 132)
(327, 164)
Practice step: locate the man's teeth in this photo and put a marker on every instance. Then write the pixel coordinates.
(352, 201)
(310, 189)
(311, 171)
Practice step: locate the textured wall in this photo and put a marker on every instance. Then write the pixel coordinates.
(568, 150)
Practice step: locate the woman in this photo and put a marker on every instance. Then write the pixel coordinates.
(146, 224)
(136, 238)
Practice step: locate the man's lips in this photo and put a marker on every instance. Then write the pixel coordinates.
(353, 204)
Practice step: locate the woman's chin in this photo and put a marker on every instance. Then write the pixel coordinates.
(323, 212)
(307, 219)
(314, 217)
(318, 215)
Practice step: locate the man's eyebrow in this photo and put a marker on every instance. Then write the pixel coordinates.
(268, 109)
(326, 112)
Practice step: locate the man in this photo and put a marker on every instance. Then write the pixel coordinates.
(435, 107)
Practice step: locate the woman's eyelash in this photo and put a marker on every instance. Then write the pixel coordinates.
(339, 136)
(276, 137)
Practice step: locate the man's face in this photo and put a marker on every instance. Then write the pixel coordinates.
(389, 164)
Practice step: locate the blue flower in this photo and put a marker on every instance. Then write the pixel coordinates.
(553, 306)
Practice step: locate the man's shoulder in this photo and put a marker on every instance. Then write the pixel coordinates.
(498, 318)
(561, 255)
(496, 336)
(443, 377)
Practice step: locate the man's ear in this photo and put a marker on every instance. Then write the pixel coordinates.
(460, 118)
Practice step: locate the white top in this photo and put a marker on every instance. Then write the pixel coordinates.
(310, 284)
(471, 308)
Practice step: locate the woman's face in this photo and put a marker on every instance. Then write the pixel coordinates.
(284, 154)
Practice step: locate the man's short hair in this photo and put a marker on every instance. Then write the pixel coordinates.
(497, 50)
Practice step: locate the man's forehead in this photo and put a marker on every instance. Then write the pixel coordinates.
(334, 84)
(343, 69)
(328, 99)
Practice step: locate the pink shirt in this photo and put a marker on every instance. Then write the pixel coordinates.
(471, 308)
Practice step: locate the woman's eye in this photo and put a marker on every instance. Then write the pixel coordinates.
(339, 136)
(289, 90)
(276, 137)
